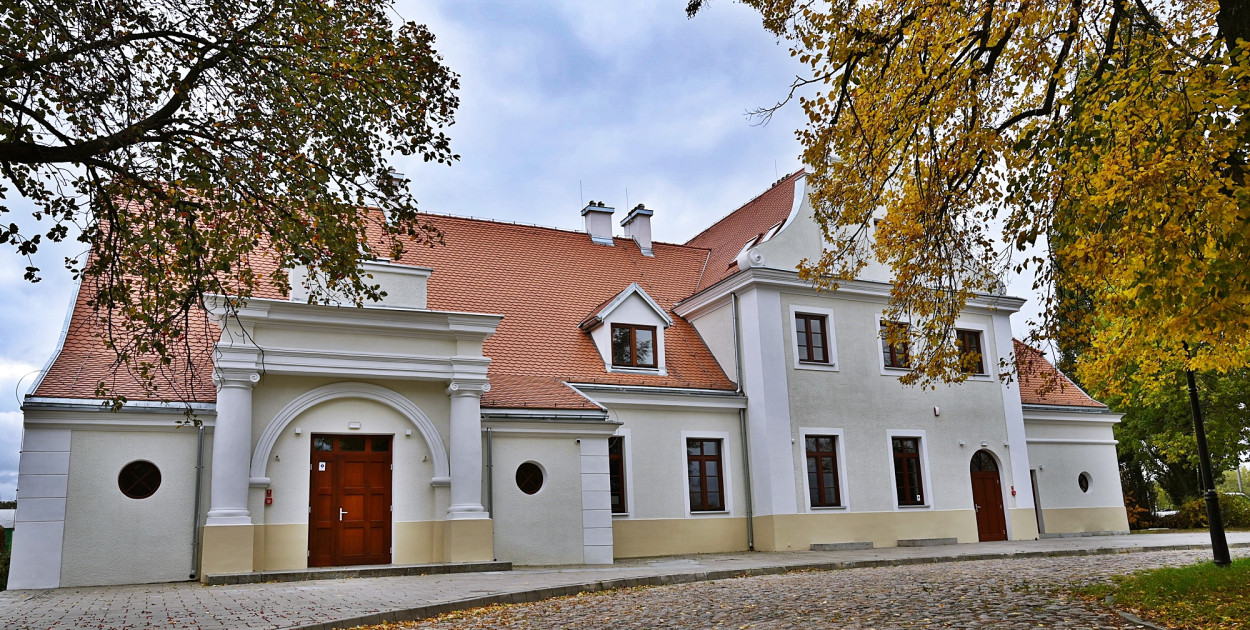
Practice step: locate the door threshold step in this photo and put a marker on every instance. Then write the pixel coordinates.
(842, 546)
(927, 542)
(362, 571)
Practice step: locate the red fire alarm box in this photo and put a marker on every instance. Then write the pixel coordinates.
(268, 496)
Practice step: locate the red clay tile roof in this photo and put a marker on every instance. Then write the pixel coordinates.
(726, 237)
(1043, 384)
(542, 280)
(84, 362)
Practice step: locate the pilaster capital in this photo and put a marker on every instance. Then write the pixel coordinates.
(468, 388)
(232, 377)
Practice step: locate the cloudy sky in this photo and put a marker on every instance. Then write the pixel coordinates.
(561, 102)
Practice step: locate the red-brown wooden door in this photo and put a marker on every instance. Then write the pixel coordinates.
(349, 520)
(987, 495)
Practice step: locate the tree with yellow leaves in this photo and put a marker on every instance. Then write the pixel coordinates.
(946, 137)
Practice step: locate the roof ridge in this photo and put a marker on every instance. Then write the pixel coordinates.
(551, 228)
(779, 182)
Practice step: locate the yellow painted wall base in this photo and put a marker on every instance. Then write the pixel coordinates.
(1023, 523)
(791, 532)
(284, 547)
(418, 542)
(637, 538)
(469, 540)
(1072, 520)
(226, 549)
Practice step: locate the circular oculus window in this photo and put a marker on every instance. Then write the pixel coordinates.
(1083, 480)
(139, 479)
(529, 477)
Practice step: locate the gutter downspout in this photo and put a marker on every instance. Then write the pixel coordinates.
(742, 425)
(490, 482)
(195, 521)
(490, 473)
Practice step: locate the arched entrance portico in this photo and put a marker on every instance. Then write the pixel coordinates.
(987, 497)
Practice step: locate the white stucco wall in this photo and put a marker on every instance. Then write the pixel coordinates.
(867, 402)
(716, 327)
(111, 538)
(655, 466)
(1062, 446)
(545, 527)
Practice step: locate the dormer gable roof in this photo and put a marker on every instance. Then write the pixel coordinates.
(604, 310)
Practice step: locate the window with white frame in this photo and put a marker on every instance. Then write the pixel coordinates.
(705, 474)
(895, 355)
(616, 474)
(823, 488)
(971, 355)
(908, 475)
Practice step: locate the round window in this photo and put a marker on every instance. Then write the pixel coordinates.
(1083, 481)
(529, 477)
(139, 479)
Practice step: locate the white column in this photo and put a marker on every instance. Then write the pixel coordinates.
(232, 448)
(466, 450)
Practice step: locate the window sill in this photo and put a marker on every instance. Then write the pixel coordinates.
(622, 514)
(709, 513)
(621, 369)
(816, 365)
(926, 506)
(826, 508)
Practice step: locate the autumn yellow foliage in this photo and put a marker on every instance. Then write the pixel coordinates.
(954, 139)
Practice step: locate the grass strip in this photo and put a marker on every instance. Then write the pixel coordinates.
(1199, 596)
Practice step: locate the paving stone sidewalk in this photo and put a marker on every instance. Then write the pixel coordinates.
(347, 602)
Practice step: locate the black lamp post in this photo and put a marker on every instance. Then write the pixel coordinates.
(1219, 543)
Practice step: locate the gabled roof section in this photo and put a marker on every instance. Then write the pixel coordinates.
(1043, 384)
(605, 309)
(751, 222)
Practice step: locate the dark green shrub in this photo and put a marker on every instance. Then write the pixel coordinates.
(4, 566)
(1234, 510)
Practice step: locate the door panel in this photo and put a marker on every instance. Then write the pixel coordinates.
(350, 501)
(987, 494)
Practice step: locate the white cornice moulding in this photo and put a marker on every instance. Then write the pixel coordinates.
(662, 397)
(293, 315)
(879, 291)
(464, 369)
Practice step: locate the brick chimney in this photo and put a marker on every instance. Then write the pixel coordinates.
(598, 218)
(637, 226)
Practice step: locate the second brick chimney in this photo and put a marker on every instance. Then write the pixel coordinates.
(637, 226)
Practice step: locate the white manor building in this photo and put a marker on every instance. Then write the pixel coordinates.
(542, 396)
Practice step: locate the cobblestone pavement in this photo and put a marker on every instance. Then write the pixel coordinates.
(1017, 593)
(373, 600)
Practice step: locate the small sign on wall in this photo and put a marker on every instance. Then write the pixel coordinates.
(321, 466)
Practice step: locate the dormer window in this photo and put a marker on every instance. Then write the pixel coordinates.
(633, 346)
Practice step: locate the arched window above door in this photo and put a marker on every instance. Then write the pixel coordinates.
(984, 462)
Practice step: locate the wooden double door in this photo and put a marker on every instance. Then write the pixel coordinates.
(987, 497)
(349, 519)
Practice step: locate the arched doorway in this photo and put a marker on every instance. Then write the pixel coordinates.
(987, 496)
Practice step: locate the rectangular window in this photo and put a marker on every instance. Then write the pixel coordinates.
(907, 470)
(810, 330)
(616, 473)
(707, 484)
(970, 356)
(896, 354)
(822, 470)
(633, 346)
